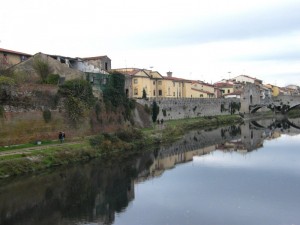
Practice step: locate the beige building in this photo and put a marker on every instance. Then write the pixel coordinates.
(202, 90)
(247, 79)
(141, 79)
(225, 88)
(9, 58)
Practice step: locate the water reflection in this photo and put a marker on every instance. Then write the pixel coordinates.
(96, 191)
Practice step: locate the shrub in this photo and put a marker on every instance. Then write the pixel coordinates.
(41, 68)
(155, 111)
(6, 81)
(53, 79)
(129, 135)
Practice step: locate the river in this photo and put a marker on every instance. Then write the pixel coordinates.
(242, 174)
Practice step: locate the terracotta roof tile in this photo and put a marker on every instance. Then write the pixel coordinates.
(13, 52)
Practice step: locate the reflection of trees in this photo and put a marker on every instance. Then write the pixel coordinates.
(231, 131)
(91, 191)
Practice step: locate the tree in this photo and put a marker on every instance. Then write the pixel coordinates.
(155, 111)
(144, 94)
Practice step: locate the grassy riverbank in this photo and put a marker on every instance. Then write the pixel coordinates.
(18, 160)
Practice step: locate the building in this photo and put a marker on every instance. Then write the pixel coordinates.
(138, 81)
(9, 58)
(172, 86)
(246, 79)
(204, 90)
(225, 88)
(98, 64)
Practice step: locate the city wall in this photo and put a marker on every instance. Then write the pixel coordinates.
(180, 108)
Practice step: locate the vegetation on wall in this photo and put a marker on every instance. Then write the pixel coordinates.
(42, 69)
(114, 94)
(7, 81)
(52, 79)
(79, 98)
(155, 111)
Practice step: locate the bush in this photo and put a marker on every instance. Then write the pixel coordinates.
(129, 135)
(41, 68)
(53, 79)
(7, 81)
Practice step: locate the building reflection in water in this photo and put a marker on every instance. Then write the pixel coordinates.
(96, 191)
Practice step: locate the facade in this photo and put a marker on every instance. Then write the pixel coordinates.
(98, 64)
(9, 58)
(140, 80)
(196, 93)
(172, 87)
(206, 89)
(247, 79)
(225, 88)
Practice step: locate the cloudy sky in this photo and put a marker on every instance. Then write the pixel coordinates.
(195, 39)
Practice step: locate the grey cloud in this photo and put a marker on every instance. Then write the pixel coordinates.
(292, 55)
(270, 23)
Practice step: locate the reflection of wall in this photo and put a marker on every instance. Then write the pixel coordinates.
(254, 133)
(86, 191)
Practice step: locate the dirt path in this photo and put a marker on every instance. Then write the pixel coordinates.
(35, 148)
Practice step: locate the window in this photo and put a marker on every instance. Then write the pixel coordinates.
(228, 91)
(153, 92)
(135, 81)
(174, 93)
(201, 95)
(160, 92)
(106, 66)
(153, 82)
(136, 92)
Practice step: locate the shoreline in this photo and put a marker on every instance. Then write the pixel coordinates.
(125, 143)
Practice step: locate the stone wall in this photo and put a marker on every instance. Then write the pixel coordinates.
(180, 108)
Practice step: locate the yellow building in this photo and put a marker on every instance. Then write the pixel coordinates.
(225, 88)
(140, 80)
(202, 90)
(195, 93)
(9, 58)
(172, 87)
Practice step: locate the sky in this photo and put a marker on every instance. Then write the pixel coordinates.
(195, 39)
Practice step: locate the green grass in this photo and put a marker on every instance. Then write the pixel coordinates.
(27, 145)
(61, 154)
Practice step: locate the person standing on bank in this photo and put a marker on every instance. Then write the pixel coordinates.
(60, 136)
(63, 136)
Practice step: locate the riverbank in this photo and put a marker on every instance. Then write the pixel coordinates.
(124, 143)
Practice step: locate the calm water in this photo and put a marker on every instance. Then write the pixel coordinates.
(247, 174)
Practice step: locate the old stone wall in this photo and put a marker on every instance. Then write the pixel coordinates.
(180, 108)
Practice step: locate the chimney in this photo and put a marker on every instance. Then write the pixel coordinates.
(169, 74)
